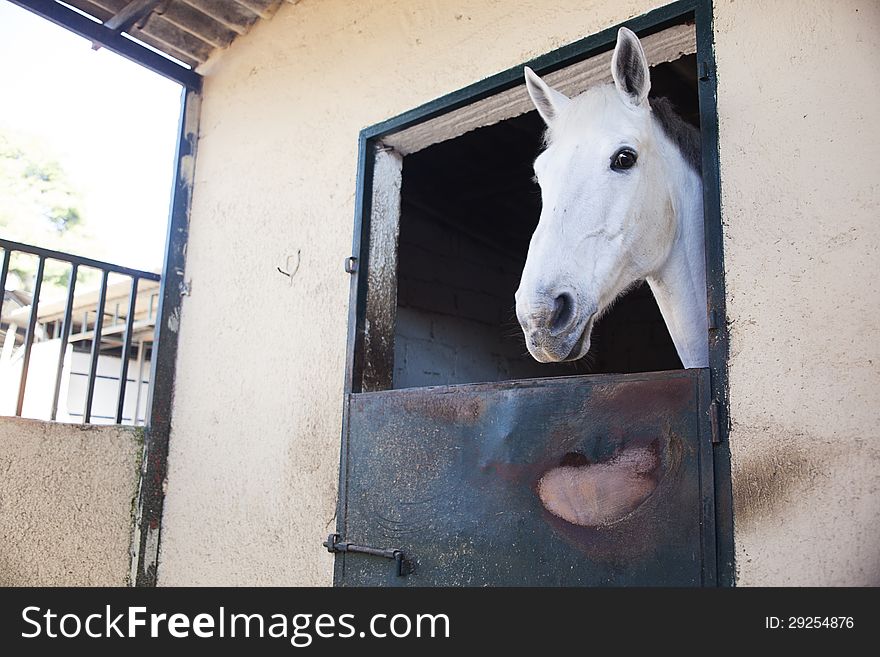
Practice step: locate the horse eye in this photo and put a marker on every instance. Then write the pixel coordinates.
(623, 159)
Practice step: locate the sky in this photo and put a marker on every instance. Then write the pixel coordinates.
(111, 123)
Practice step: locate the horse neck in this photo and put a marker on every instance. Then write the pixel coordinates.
(679, 284)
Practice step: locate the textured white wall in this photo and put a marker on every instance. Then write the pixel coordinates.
(254, 449)
(797, 86)
(66, 500)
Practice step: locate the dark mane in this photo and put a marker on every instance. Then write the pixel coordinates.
(685, 136)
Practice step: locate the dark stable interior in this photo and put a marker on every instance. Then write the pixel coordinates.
(469, 207)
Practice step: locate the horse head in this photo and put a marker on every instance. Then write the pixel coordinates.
(606, 220)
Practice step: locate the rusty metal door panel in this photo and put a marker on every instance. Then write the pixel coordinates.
(545, 482)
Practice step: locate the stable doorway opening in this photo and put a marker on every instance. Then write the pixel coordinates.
(468, 207)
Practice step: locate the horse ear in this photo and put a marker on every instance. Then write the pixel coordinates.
(629, 68)
(547, 100)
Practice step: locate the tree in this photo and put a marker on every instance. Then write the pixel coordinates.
(38, 206)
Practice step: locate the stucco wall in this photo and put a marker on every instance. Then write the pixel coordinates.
(66, 501)
(254, 448)
(799, 147)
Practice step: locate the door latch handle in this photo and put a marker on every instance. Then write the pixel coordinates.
(403, 566)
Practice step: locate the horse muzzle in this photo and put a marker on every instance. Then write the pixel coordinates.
(555, 328)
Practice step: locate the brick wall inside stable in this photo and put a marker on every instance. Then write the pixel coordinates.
(456, 321)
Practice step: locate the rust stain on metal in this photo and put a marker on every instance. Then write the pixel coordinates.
(629, 405)
(613, 531)
(597, 498)
(595, 482)
(600, 494)
(451, 408)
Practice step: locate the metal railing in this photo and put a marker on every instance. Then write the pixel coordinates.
(75, 262)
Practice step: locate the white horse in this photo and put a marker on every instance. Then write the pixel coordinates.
(622, 202)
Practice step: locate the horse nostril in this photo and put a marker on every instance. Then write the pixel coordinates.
(563, 310)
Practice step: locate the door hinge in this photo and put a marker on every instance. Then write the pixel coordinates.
(713, 320)
(703, 71)
(350, 265)
(403, 566)
(713, 418)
